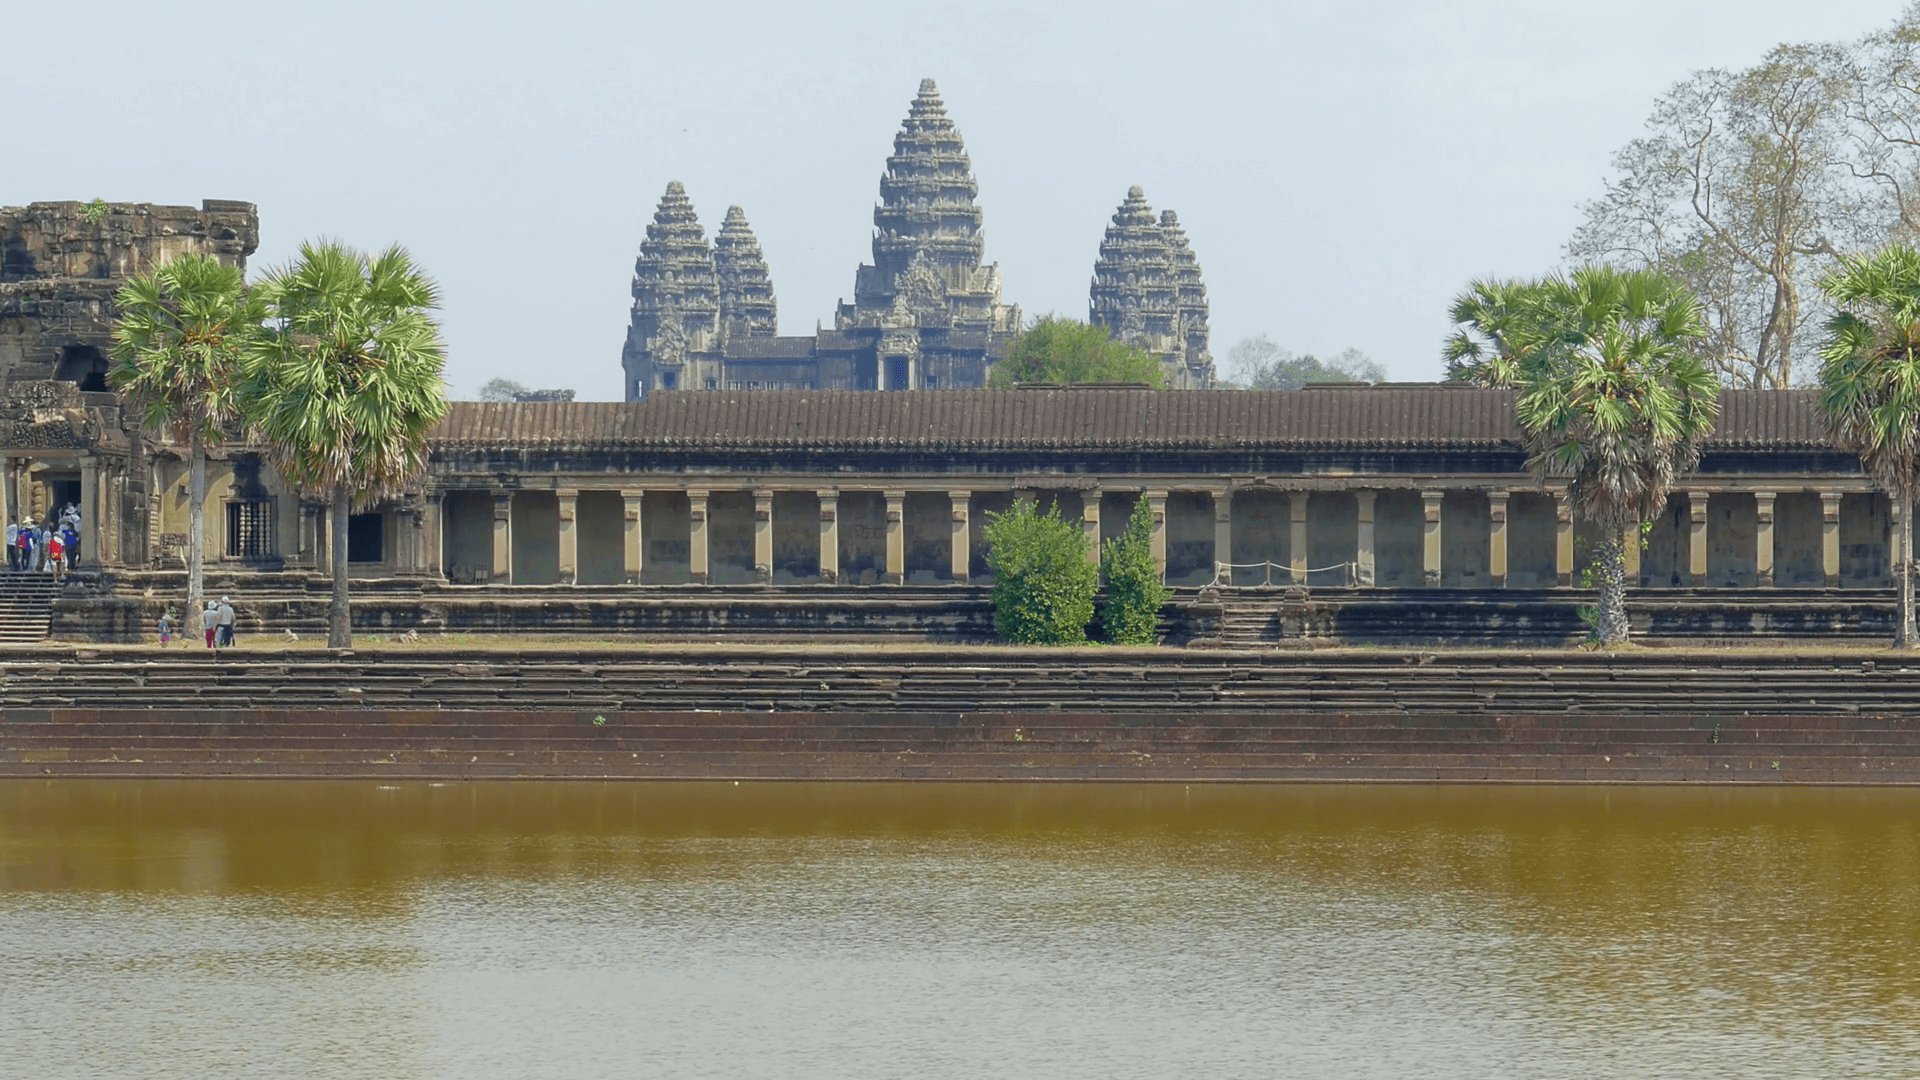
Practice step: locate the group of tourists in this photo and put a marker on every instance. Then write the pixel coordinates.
(44, 546)
(216, 621)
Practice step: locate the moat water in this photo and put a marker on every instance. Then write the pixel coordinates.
(481, 930)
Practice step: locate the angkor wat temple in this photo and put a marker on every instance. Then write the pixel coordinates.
(1393, 513)
(926, 314)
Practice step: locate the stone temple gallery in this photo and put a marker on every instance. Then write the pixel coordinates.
(754, 485)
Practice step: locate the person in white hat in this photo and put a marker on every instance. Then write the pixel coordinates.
(226, 622)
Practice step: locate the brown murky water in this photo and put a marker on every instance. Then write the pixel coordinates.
(345, 929)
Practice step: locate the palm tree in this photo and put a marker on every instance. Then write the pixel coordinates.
(1614, 401)
(345, 384)
(1493, 324)
(1870, 387)
(176, 354)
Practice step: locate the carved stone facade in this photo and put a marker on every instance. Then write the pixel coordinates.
(1148, 291)
(926, 314)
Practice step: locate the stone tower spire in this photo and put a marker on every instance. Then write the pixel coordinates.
(747, 306)
(1147, 291)
(926, 198)
(1190, 299)
(676, 303)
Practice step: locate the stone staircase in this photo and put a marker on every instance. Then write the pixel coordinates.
(978, 713)
(26, 607)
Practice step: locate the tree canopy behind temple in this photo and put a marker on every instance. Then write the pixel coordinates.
(1065, 351)
(1257, 363)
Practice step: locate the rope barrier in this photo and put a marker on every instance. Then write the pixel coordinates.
(1225, 569)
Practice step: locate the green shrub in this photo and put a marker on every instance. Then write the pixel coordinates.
(1135, 592)
(1044, 580)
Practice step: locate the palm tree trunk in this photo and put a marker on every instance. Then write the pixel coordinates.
(339, 613)
(1612, 560)
(196, 523)
(1907, 637)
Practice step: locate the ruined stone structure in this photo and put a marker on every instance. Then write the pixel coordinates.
(1148, 291)
(926, 314)
(64, 438)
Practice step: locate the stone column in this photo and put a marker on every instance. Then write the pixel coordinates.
(502, 539)
(1630, 553)
(90, 501)
(1363, 550)
(829, 535)
(569, 536)
(1697, 538)
(1090, 523)
(763, 535)
(633, 539)
(1297, 538)
(10, 494)
(1157, 506)
(697, 536)
(1562, 539)
(1223, 535)
(1497, 537)
(896, 537)
(1430, 561)
(1763, 539)
(431, 538)
(960, 548)
(310, 553)
(1830, 537)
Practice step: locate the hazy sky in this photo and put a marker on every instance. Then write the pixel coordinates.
(1342, 168)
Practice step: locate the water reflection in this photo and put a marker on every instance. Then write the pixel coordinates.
(348, 929)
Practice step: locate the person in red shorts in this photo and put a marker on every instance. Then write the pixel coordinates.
(210, 620)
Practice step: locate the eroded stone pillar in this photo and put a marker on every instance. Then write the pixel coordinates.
(896, 537)
(633, 541)
(829, 535)
(1157, 506)
(1697, 538)
(763, 535)
(432, 541)
(1297, 538)
(1830, 537)
(1562, 539)
(1630, 555)
(1763, 539)
(697, 536)
(1497, 537)
(1363, 549)
(1430, 555)
(1223, 536)
(502, 539)
(1090, 523)
(90, 503)
(10, 478)
(960, 548)
(569, 536)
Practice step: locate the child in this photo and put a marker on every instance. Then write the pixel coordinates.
(166, 628)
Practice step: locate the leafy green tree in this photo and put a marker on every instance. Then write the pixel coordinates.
(1135, 593)
(1044, 581)
(1614, 401)
(1870, 386)
(345, 384)
(176, 356)
(1257, 363)
(1057, 350)
(501, 389)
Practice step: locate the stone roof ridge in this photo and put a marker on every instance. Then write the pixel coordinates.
(747, 304)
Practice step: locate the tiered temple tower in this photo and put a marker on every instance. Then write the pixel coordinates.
(747, 306)
(1148, 291)
(927, 241)
(674, 337)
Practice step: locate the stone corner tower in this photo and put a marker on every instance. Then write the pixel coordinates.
(674, 336)
(747, 305)
(1147, 290)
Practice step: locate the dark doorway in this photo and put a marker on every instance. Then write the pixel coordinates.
(866, 373)
(366, 537)
(896, 373)
(83, 365)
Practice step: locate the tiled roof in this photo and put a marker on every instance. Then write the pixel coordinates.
(1383, 417)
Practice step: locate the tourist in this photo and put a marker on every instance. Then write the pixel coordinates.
(225, 614)
(167, 619)
(25, 545)
(13, 540)
(56, 554)
(210, 621)
(70, 536)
